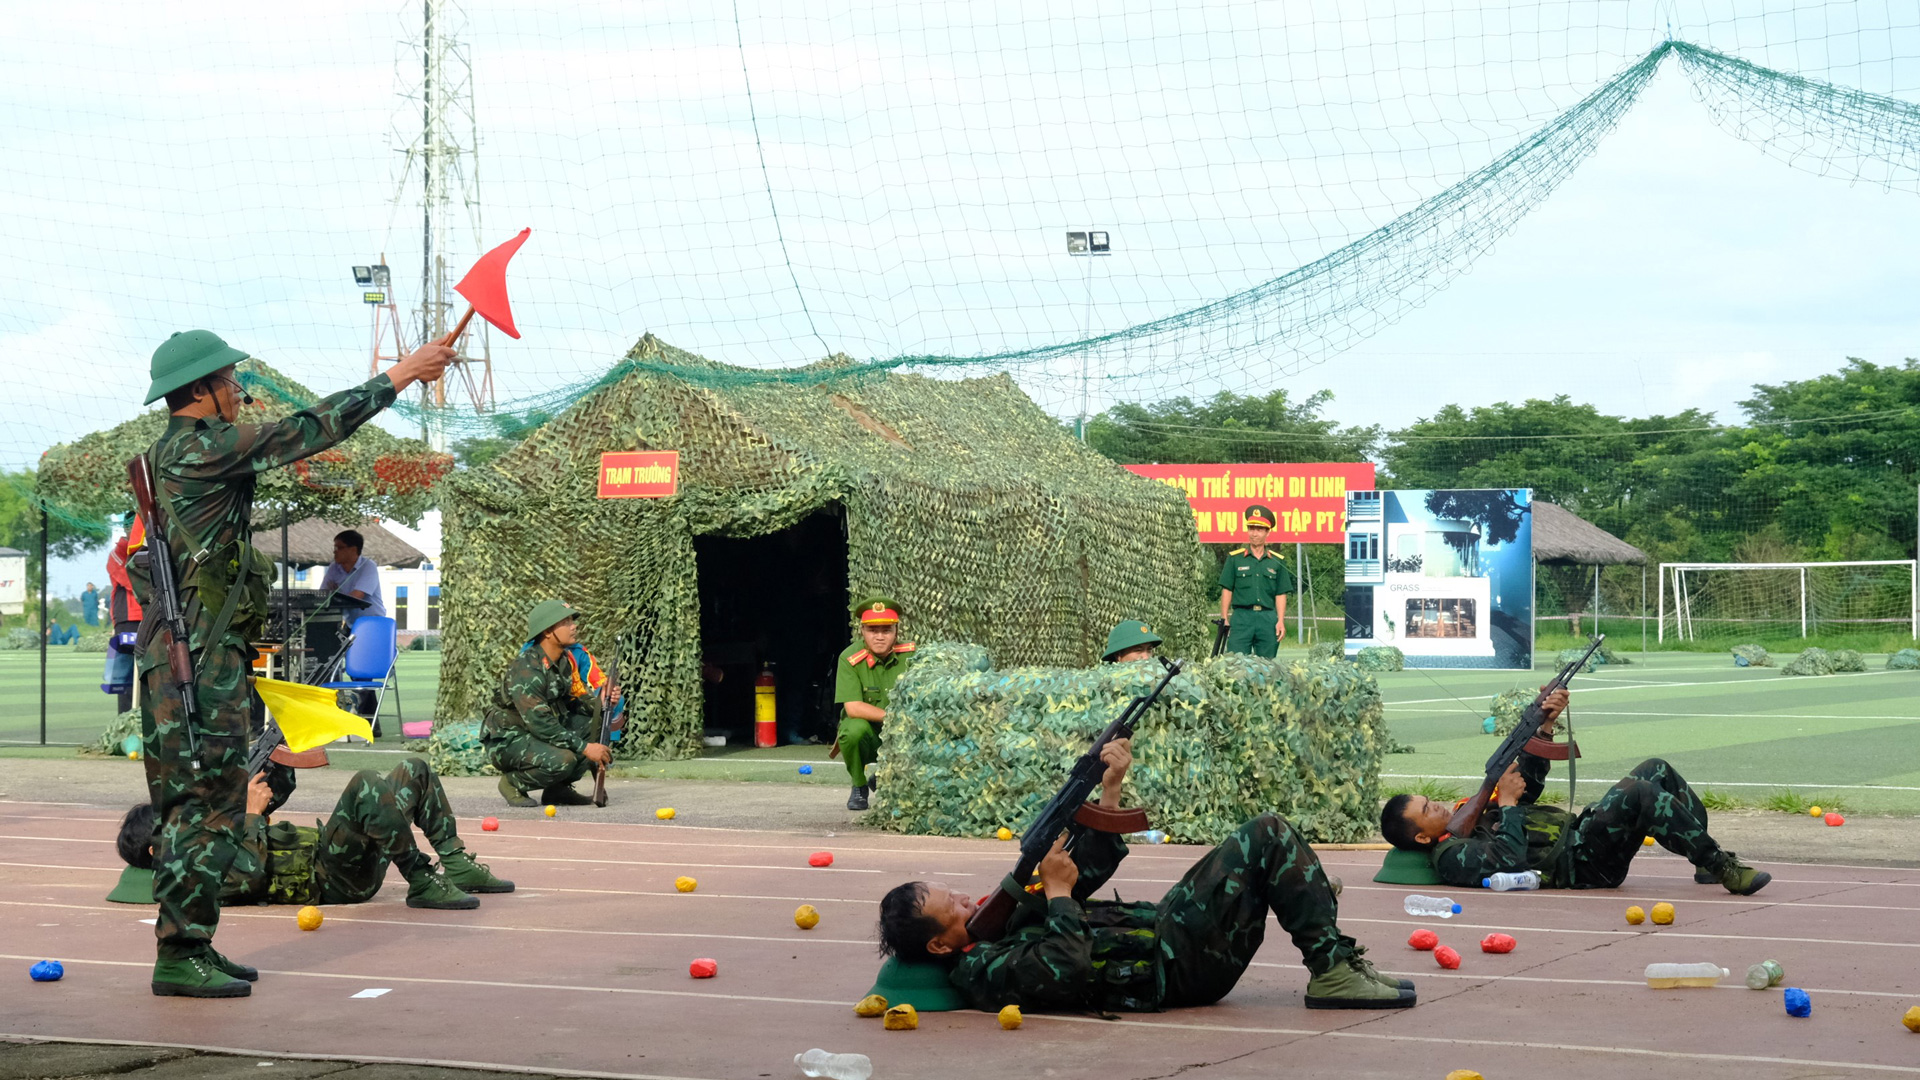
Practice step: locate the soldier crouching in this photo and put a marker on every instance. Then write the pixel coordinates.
(538, 730)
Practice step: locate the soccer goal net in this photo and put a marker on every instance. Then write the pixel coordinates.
(1773, 601)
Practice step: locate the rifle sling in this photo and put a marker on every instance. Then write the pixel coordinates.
(1100, 819)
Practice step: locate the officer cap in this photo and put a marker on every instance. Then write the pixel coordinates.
(921, 984)
(878, 611)
(546, 615)
(185, 357)
(1129, 633)
(1258, 517)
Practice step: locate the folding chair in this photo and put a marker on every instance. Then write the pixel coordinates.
(369, 664)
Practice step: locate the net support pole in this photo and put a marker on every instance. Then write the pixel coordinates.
(1803, 601)
(45, 573)
(1661, 633)
(1643, 609)
(1596, 599)
(1299, 608)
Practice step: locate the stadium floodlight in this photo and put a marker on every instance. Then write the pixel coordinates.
(1097, 243)
(381, 277)
(363, 276)
(1076, 243)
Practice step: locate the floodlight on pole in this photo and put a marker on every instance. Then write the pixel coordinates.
(1088, 242)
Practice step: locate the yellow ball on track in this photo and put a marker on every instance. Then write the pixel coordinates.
(552, 810)
(309, 918)
(685, 884)
(1636, 915)
(1663, 914)
(1813, 811)
(1912, 1019)
(806, 917)
(870, 1006)
(665, 813)
(1010, 1017)
(133, 755)
(1646, 841)
(1004, 833)
(902, 1018)
(1464, 1074)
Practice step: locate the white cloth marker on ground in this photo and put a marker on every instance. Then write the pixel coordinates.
(374, 993)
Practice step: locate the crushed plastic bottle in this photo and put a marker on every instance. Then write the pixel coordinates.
(1431, 906)
(818, 1062)
(1151, 836)
(1520, 882)
(1765, 975)
(1671, 976)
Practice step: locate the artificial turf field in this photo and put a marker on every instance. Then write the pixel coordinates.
(1748, 733)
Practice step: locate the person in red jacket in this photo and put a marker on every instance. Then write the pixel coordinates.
(123, 613)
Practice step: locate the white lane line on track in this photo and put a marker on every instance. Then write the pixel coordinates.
(1649, 685)
(1428, 924)
(1803, 784)
(1430, 974)
(1627, 896)
(1162, 1025)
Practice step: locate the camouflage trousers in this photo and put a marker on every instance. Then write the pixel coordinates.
(1255, 632)
(1652, 800)
(1212, 922)
(372, 825)
(531, 765)
(859, 747)
(197, 812)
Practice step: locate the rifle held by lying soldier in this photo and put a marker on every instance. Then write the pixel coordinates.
(1524, 738)
(1070, 804)
(156, 557)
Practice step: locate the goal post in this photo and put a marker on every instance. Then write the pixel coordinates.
(1771, 601)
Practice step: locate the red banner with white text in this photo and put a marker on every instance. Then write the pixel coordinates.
(1309, 501)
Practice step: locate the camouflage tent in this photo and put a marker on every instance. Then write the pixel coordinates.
(961, 500)
(371, 474)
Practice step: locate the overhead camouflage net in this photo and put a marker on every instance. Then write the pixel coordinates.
(971, 750)
(963, 501)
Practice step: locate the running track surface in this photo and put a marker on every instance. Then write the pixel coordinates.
(584, 969)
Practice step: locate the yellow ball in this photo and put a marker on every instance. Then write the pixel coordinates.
(552, 810)
(1646, 841)
(806, 917)
(1663, 913)
(133, 755)
(1004, 833)
(1912, 1019)
(902, 1018)
(871, 1006)
(1464, 1074)
(685, 884)
(1010, 1017)
(665, 813)
(1813, 811)
(1636, 915)
(309, 918)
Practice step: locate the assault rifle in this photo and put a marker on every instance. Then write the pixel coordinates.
(1070, 804)
(1219, 635)
(610, 727)
(166, 598)
(270, 747)
(1525, 737)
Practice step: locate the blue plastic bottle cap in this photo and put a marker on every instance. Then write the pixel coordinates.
(806, 770)
(46, 971)
(1456, 909)
(1798, 1003)
(1485, 883)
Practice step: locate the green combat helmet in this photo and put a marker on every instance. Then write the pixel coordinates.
(1128, 634)
(185, 357)
(546, 615)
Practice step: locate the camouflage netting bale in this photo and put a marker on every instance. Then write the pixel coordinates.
(1607, 655)
(1811, 661)
(1904, 660)
(454, 750)
(1328, 650)
(1381, 658)
(1568, 656)
(1751, 656)
(962, 500)
(1232, 737)
(93, 641)
(1848, 660)
(112, 741)
(20, 637)
(1507, 707)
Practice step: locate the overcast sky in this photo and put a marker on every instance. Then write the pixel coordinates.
(901, 180)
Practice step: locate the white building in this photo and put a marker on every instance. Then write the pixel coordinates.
(13, 581)
(1416, 584)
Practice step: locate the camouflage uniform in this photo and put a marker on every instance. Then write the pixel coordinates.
(1188, 949)
(204, 474)
(345, 860)
(537, 730)
(1593, 850)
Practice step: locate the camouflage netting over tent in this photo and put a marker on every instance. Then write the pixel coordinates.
(971, 750)
(372, 474)
(963, 501)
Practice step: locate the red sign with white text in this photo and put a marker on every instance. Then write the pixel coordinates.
(640, 475)
(1309, 501)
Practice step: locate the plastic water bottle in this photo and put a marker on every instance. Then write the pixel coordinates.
(1432, 906)
(1520, 882)
(1669, 976)
(818, 1062)
(1151, 836)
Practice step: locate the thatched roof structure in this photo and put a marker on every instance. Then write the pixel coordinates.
(373, 474)
(1562, 539)
(310, 542)
(961, 500)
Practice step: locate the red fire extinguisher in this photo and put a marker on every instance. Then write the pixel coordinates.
(765, 730)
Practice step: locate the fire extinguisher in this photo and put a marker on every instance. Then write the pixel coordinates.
(765, 731)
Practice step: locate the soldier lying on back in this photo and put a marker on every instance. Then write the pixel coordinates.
(1591, 851)
(1066, 951)
(345, 860)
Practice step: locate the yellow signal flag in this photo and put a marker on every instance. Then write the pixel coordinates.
(308, 715)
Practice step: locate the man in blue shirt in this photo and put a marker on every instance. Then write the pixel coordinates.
(354, 573)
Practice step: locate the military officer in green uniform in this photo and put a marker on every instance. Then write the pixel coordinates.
(1130, 640)
(541, 728)
(862, 682)
(1254, 583)
(204, 468)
